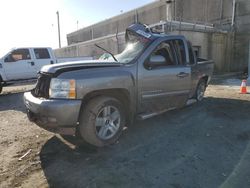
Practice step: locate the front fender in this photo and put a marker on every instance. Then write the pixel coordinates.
(118, 80)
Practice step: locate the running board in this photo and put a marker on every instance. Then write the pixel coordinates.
(149, 115)
(190, 102)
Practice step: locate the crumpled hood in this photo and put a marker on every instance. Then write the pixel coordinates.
(77, 65)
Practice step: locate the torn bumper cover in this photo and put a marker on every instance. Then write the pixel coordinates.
(55, 115)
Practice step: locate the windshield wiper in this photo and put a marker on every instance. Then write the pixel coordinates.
(106, 51)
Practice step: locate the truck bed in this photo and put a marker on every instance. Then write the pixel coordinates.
(205, 66)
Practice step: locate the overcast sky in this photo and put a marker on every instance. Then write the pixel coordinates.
(34, 22)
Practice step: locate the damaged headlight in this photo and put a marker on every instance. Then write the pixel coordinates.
(62, 88)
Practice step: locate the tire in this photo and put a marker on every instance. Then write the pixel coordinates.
(200, 90)
(97, 126)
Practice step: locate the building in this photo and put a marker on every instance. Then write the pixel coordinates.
(218, 29)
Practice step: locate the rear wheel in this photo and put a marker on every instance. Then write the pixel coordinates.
(200, 90)
(102, 121)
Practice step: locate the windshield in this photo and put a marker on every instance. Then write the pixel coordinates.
(131, 51)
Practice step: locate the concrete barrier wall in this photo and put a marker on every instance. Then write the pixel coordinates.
(242, 35)
(200, 11)
(149, 14)
(88, 48)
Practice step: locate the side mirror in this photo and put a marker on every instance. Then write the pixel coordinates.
(156, 60)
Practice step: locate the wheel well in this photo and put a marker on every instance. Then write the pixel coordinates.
(205, 78)
(121, 95)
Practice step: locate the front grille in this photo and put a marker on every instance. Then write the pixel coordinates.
(42, 86)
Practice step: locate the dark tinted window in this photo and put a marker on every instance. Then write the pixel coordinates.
(191, 54)
(18, 54)
(197, 50)
(42, 53)
(180, 51)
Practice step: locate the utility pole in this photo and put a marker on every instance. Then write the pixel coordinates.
(58, 23)
(168, 11)
(233, 14)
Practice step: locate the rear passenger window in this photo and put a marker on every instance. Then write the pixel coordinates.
(42, 53)
(191, 54)
(180, 51)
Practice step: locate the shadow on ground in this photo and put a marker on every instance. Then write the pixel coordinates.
(12, 101)
(198, 146)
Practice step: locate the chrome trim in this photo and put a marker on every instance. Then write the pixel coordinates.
(149, 115)
(163, 94)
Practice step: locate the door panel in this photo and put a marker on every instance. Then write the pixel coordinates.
(166, 84)
(19, 65)
(164, 88)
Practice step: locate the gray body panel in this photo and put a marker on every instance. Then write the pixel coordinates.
(103, 78)
(150, 91)
(203, 68)
(161, 88)
(62, 113)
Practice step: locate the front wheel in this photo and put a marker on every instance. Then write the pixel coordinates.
(102, 121)
(200, 90)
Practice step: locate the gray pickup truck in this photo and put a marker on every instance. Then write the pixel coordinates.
(96, 99)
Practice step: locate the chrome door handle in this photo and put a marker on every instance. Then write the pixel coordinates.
(182, 74)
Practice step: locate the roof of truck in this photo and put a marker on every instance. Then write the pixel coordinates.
(145, 32)
(159, 35)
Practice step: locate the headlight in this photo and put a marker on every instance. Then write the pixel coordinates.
(62, 88)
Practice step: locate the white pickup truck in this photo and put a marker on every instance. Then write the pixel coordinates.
(24, 63)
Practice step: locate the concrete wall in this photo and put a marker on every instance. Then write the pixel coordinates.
(149, 14)
(197, 11)
(242, 35)
(88, 48)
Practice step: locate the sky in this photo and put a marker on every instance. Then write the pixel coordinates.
(33, 23)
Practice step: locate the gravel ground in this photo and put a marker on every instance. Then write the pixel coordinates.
(203, 145)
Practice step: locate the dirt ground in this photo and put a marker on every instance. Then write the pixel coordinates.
(205, 145)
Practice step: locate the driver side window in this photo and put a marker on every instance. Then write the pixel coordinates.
(165, 51)
(18, 54)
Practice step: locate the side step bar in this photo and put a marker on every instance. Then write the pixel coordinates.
(152, 114)
(149, 115)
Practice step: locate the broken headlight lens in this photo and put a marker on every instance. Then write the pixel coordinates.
(62, 88)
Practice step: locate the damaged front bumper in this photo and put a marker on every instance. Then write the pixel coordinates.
(55, 115)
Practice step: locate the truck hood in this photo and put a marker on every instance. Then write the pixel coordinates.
(77, 65)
